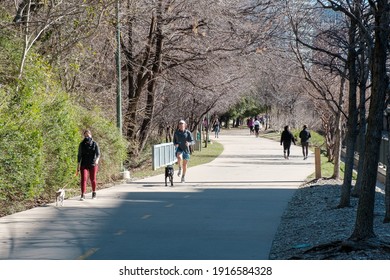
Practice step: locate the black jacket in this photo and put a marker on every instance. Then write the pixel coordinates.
(287, 137)
(304, 135)
(88, 153)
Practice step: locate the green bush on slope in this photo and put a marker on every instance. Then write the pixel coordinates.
(40, 130)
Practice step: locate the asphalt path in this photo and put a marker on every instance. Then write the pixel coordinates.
(228, 209)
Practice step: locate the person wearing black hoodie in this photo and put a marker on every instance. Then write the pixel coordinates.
(305, 139)
(286, 140)
(88, 160)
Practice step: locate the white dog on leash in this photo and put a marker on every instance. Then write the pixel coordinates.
(60, 196)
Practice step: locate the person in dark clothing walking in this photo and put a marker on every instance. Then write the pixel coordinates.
(183, 139)
(305, 139)
(88, 160)
(286, 140)
(216, 128)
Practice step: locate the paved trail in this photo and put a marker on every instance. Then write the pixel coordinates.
(229, 209)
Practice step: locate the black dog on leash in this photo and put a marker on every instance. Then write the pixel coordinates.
(169, 171)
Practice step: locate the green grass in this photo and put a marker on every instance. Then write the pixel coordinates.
(272, 135)
(206, 155)
(327, 169)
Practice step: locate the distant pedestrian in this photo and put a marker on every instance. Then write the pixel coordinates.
(256, 125)
(183, 139)
(286, 139)
(88, 159)
(216, 128)
(250, 125)
(305, 139)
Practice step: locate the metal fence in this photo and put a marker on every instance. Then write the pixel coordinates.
(163, 154)
(383, 149)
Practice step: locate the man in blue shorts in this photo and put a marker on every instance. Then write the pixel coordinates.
(182, 140)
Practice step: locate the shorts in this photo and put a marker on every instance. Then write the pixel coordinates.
(186, 156)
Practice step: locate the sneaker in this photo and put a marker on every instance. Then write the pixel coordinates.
(183, 179)
(93, 195)
(82, 197)
(179, 173)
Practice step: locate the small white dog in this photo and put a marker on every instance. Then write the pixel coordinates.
(60, 196)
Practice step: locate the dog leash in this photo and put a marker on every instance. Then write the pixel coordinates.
(75, 175)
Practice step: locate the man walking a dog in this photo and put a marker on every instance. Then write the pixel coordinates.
(182, 140)
(88, 160)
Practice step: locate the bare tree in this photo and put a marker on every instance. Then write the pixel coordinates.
(365, 213)
(35, 18)
(354, 48)
(363, 88)
(318, 52)
(190, 38)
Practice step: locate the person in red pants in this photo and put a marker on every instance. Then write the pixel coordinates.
(88, 160)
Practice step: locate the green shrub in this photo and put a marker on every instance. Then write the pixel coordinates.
(40, 130)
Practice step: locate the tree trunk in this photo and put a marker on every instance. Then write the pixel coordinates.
(147, 121)
(129, 119)
(362, 125)
(337, 149)
(345, 197)
(387, 189)
(136, 80)
(168, 134)
(338, 133)
(26, 43)
(364, 225)
(328, 127)
(151, 89)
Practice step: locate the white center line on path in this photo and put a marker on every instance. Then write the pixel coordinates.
(144, 217)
